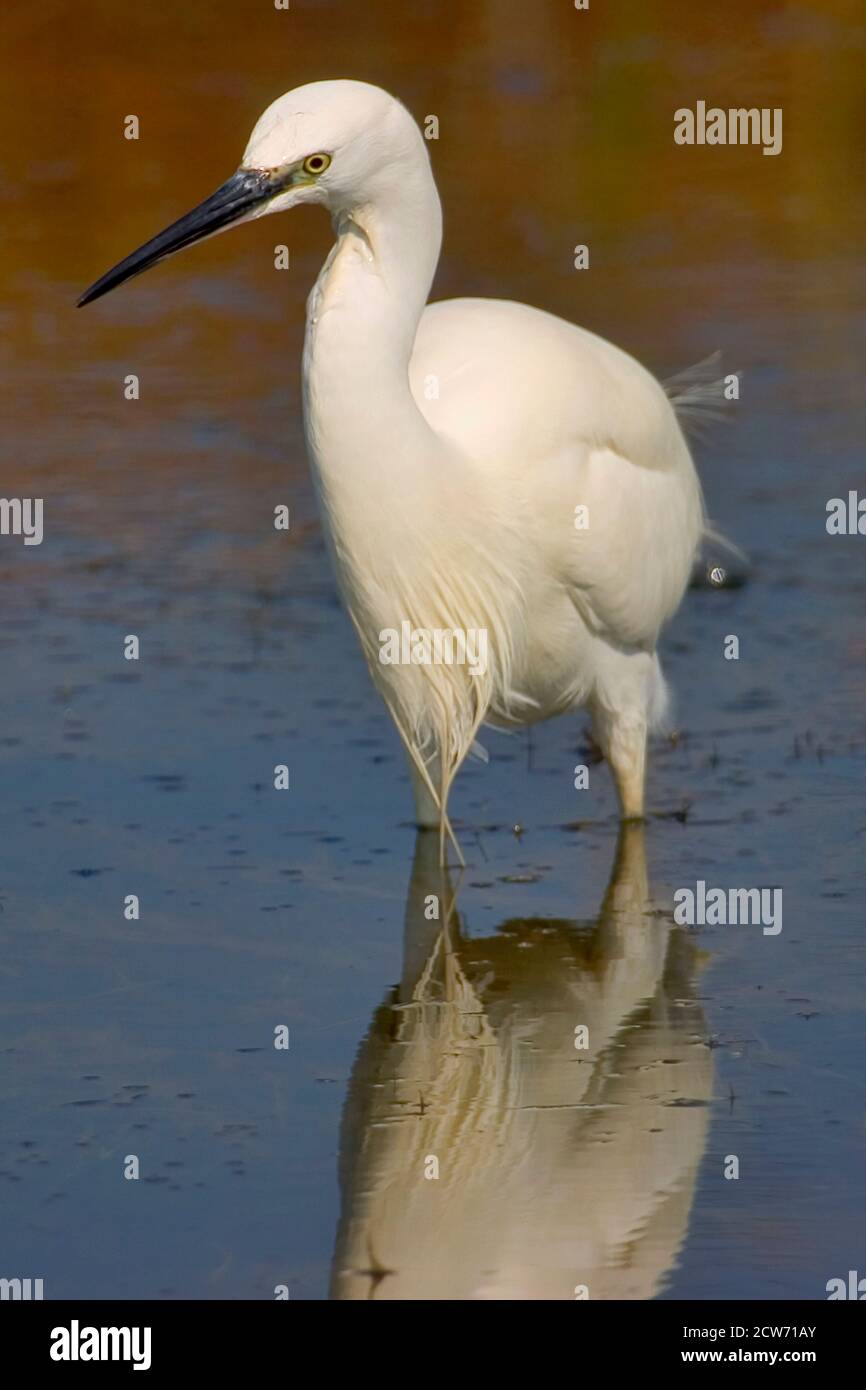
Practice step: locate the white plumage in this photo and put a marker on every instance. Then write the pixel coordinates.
(452, 444)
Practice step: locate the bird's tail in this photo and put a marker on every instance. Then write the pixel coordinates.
(699, 395)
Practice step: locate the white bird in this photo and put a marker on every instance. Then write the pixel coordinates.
(486, 471)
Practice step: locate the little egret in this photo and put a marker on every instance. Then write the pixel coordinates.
(495, 482)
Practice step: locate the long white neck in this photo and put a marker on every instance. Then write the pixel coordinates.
(362, 318)
(395, 495)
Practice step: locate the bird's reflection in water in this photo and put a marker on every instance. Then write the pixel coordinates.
(558, 1167)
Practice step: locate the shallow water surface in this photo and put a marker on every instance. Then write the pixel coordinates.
(559, 1166)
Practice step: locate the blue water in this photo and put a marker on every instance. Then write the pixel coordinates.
(154, 1038)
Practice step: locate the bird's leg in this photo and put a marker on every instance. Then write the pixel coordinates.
(629, 770)
(623, 742)
(427, 815)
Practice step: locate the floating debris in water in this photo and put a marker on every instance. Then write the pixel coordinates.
(709, 574)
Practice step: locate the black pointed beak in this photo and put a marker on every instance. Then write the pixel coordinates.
(234, 201)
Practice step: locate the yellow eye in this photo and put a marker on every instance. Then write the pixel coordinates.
(316, 163)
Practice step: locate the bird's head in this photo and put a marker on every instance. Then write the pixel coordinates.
(343, 144)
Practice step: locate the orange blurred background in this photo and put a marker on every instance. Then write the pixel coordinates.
(556, 127)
